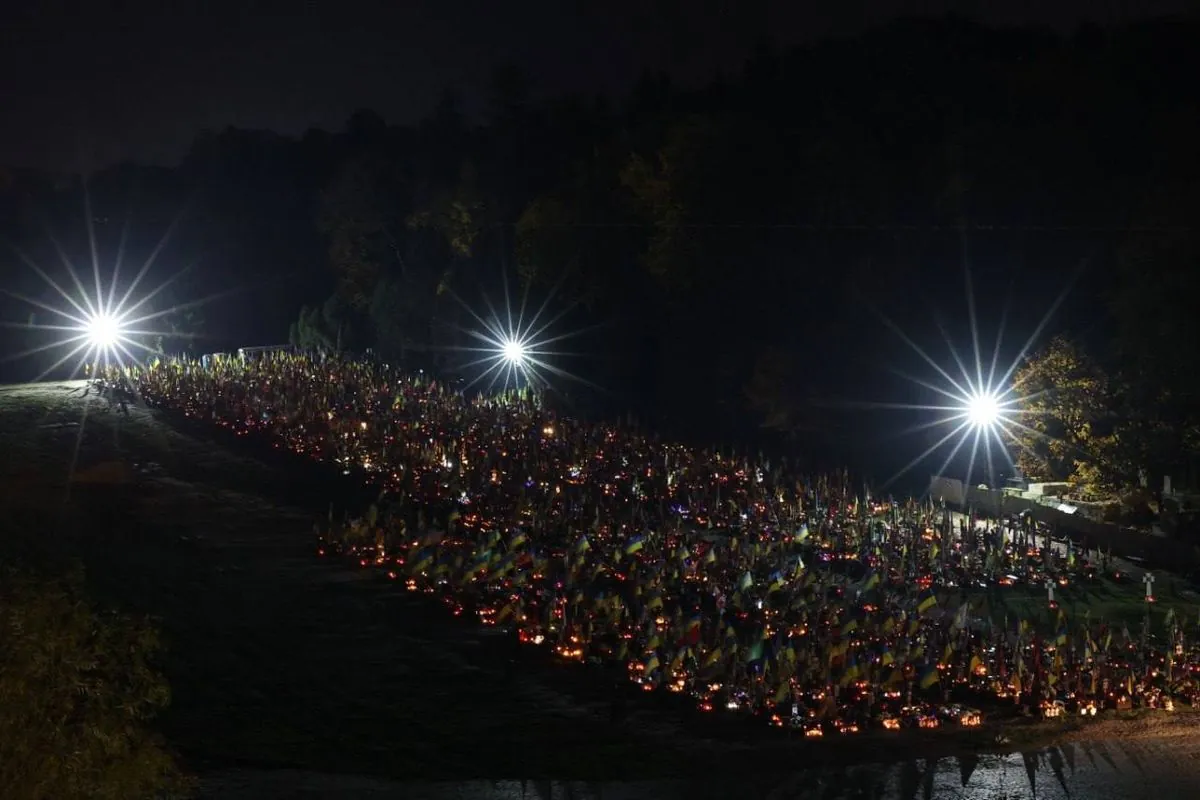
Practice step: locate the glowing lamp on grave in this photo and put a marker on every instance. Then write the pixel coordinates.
(1051, 710)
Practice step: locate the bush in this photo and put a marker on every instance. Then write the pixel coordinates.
(77, 689)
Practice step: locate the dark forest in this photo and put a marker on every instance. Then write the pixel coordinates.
(724, 256)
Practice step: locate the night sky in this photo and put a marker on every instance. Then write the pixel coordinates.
(90, 83)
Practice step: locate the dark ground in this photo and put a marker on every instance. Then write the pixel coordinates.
(279, 660)
(275, 657)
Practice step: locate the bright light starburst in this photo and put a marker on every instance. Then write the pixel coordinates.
(100, 330)
(982, 407)
(514, 355)
(104, 331)
(515, 352)
(95, 325)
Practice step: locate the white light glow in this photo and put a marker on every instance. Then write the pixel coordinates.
(978, 405)
(983, 409)
(514, 351)
(97, 325)
(104, 331)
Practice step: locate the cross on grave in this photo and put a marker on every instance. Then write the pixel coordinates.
(1148, 579)
(1050, 590)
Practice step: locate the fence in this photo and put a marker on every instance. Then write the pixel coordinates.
(1156, 551)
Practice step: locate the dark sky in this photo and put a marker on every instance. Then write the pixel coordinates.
(101, 80)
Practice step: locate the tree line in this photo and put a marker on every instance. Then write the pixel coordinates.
(722, 250)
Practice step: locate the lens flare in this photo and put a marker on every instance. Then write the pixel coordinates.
(97, 325)
(979, 404)
(103, 331)
(516, 352)
(983, 409)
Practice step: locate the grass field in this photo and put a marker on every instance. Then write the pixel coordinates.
(278, 659)
(1118, 603)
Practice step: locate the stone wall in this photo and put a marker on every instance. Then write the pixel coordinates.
(1158, 552)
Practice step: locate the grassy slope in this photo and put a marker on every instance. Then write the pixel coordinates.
(277, 659)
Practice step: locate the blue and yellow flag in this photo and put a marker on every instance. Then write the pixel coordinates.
(929, 676)
(872, 581)
(926, 600)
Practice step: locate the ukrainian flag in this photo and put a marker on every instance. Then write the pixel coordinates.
(635, 544)
(777, 583)
(926, 600)
(929, 676)
(422, 562)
